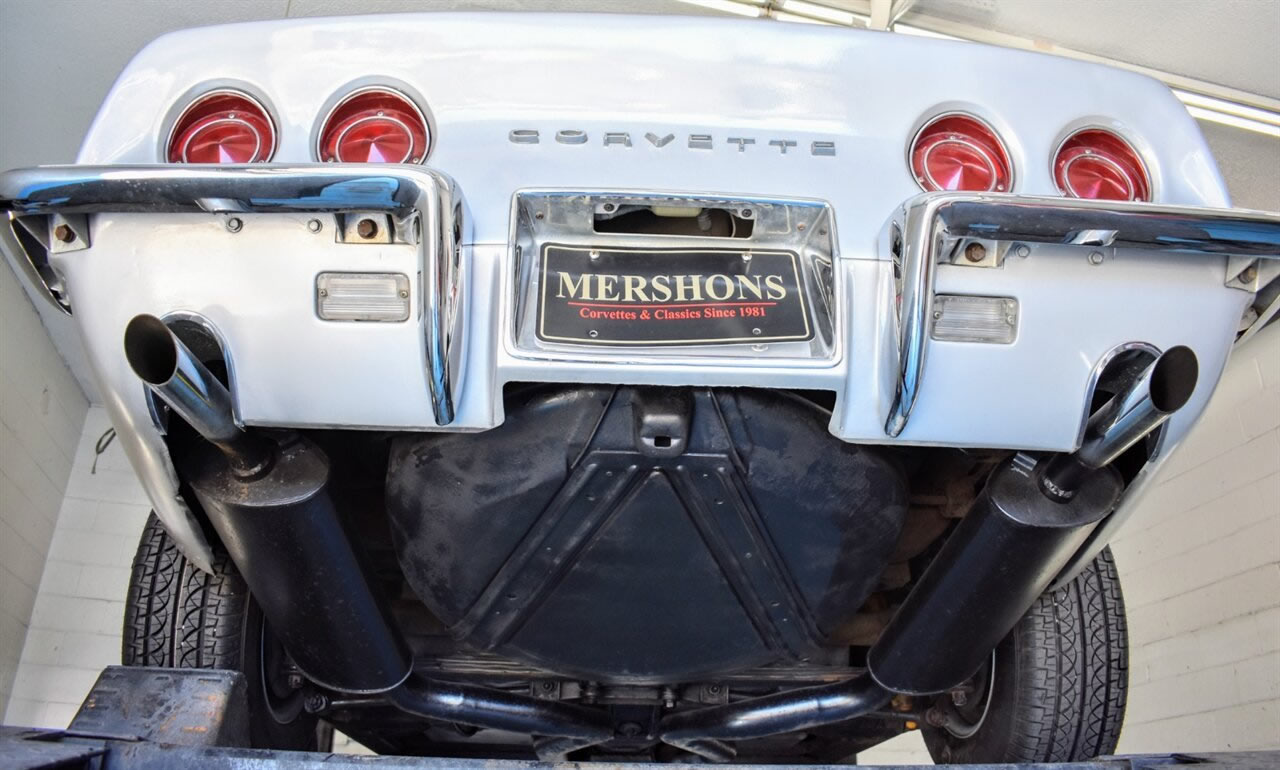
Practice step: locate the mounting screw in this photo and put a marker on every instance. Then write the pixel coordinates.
(593, 333)
(901, 703)
(548, 686)
(747, 213)
(295, 681)
(1249, 274)
(959, 697)
(324, 292)
(539, 215)
(1023, 250)
(975, 252)
(315, 226)
(234, 224)
(609, 207)
(367, 228)
(594, 255)
(64, 233)
(1096, 257)
(934, 717)
(800, 226)
(315, 703)
(713, 689)
(403, 294)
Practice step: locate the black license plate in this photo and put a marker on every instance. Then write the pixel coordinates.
(677, 297)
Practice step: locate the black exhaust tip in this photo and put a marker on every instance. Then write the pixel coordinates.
(1174, 378)
(150, 350)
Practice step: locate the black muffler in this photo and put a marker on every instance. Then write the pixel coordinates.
(1029, 521)
(268, 499)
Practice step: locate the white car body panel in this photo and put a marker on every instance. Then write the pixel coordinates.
(482, 76)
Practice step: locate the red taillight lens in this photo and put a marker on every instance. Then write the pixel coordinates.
(376, 125)
(1097, 164)
(223, 127)
(960, 152)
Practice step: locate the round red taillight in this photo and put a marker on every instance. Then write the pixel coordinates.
(960, 152)
(223, 127)
(1097, 164)
(374, 125)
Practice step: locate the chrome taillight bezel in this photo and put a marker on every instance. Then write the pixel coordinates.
(925, 181)
(193, 100)
(344, 97)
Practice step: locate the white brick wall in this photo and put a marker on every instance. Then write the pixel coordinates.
(41, 413)
(75, 626)
(1200, 563)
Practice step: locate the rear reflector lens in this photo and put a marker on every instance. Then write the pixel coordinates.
(975, 319)
(374, 125)
(362, 296)
(223, 127)
(1098, 164)
(960, 152)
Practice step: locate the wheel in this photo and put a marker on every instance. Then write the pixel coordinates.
(1055, 688)
(177, 615)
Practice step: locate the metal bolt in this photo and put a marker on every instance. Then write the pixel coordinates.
(1096, 257)
(937, 314)
(64, 233)
(959, 697)
(548, 686)
(295, 681)
(822, 231)
(747, 213)
(594, 255)
(324, 292)
(800, 226)
(315, 225)
(539, 215)
(609, 207)
(315, 703)
(1249, 274)
(934, 717)
(234, 224)
(403, 294)
(593, 333)
(756, 331)
(367, 228)
(1023, 250)
(901, 703)
(713, 689)
(975, 252)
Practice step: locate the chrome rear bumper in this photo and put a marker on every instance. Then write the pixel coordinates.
(882, 302)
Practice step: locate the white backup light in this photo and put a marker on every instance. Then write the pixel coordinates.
(975, 319)
(362, 296)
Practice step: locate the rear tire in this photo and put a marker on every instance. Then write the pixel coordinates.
(1059, 686)
(178, 616)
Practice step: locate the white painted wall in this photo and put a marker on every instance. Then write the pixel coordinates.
(41, 413)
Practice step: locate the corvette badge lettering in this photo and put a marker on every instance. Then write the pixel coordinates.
(694, 142)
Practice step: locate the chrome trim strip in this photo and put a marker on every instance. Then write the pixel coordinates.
(932, 223)
(424, 204)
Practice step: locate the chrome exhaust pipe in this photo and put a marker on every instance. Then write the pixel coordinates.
(1153, 396)
(173, 373)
